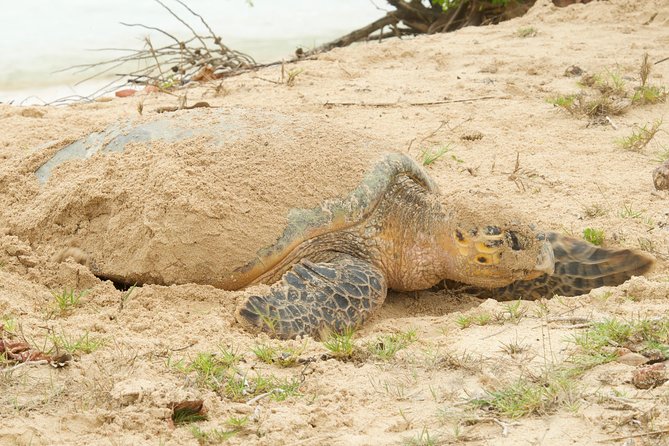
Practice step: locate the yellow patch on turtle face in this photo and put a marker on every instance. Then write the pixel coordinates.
(483, 258)
(482, 249)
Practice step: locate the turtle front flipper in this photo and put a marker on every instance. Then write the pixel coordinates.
(579, 268)
(316, 298)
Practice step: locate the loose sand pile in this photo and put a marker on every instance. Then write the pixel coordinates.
(481, 91)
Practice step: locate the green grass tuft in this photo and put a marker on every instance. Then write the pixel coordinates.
(430, 156)
(341, 345)
(524, 397)
(385, 347)
(83, 344)
(66, 300)
(594, 236)
(640, 138)
(526, 31)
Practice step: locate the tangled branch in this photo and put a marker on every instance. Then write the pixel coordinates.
(198, 58)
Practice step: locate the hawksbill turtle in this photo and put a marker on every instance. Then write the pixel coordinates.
(321, 262)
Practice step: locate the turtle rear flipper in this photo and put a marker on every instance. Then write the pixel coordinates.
(579, 268)
(316, 298)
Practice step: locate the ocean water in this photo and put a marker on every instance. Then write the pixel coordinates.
(40, 37)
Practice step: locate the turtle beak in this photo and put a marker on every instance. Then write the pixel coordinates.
(546, 259)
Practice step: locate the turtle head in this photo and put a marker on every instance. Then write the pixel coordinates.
(493, 254)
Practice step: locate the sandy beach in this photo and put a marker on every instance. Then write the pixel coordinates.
(487, 94)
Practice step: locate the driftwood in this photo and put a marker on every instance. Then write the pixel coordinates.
(421, 17)
(200, 57)
(203, 56)
(415, 17)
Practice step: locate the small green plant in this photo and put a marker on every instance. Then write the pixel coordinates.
(430, 156)
(212, 436)
(526, 31)
(385, 347)
(464, 321)
(237, 423)
(566, 102)
(234, 425)
(640, 138)
(285, 357)
(291, 76)
(186, 416)
(126, 296)
(265, 353)
(242, 388)
(608, 83)
(341, 345)
(8, 324)
(83, 344)
(422, 439)
(646, 93)
(556, 388)
(594, 236)
(228, 356)
(641, 335)
(209, 369)
(515, 311)
(662, 156)
(628, 212)
(650, 94)
(513, 348)
(482, 319)
(66, 300)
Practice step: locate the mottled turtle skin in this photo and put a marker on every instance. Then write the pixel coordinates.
(318, 269)
(406, 236)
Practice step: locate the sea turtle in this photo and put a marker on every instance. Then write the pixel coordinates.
(175, 208)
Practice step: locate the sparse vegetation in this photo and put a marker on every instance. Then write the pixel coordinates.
(594, 236)
(513, 348)
(646, 93)
(555, 389)
(464, 321)
(211, 436)
(126, 296)
(515, 311)
(219, 373)
(564, 101)
(265, 353)
(66, 299)
(424, 438)
(292, 76)
(640, 138)
(431, 155)
(83, 344)
(285, 357)
(526, 31)
(385, 347)
(341, 345)
(597, 343)
(8, 324)
(607, 94)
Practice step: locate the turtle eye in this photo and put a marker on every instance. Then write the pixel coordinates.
(459, 236)
(512, 238)
(482, 259)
